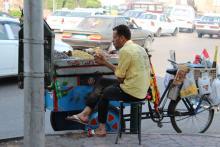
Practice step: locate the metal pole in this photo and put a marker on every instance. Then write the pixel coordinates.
(34, 119)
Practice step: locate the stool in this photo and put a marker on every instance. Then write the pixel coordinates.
(121, 116)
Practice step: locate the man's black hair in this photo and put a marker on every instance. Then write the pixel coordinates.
(123, 30)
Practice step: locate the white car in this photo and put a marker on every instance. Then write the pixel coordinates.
(9, 29)
(66, 19)
(184, 17)
(56, 20)
(157, 23)
(71, 20)
(209, 24)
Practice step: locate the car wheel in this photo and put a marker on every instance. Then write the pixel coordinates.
(175, 32)
(199, 35)
(210, 35)
(158, 33)
(148, 43)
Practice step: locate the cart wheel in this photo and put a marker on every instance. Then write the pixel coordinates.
(58, 121)
(112, 120)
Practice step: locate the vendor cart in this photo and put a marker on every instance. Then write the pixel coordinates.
(67, 83)
(73, 80)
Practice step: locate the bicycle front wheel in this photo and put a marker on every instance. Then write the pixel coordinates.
(191, 114)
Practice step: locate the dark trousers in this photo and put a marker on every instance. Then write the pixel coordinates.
(107, 89)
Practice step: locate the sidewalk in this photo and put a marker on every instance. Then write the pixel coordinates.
(74, 139)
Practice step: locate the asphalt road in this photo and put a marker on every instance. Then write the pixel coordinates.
(186, 46)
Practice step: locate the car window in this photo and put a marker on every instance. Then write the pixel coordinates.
(15, 29)
(96, 23)
(79, 14)
(133, 13)
(3, 33)
(121, 21)
(162, 18)
(211, 19)
(61, 13)
(148, 16)
(136, 14)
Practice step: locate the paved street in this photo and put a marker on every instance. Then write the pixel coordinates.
(186, 46)
(148, 140)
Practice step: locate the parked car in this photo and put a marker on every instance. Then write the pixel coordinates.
(96, 31)
(183, 15)
(209, 24)
(9, 29)
(56, 20)
(157, 23)
(66, 19)
(71, 20)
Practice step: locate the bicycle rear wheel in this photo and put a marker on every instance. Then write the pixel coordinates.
(188, 117)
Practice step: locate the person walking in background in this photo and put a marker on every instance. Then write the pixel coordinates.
(131, 83)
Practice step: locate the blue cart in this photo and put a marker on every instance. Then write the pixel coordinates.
(73, 80)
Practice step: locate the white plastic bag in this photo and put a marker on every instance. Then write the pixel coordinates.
(204, 84)
(215, 95)
(189, 87)
(167, 79)
(173, 92)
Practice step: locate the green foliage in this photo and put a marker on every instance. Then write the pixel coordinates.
(15, 12)
(90, 3)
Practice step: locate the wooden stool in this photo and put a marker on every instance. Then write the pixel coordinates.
(121, 116)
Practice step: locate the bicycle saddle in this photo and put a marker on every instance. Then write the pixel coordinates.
(172, 71)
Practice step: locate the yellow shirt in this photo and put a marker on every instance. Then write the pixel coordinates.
(134, 67)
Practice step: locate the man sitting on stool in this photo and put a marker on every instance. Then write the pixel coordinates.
(131, 84)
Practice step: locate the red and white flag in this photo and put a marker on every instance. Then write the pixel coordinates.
(205, 54)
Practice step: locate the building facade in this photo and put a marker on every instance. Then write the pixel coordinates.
(201, 5)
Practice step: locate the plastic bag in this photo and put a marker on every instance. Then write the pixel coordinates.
(167, 79)
(204, 84)
(189, 86)
(180, 75)
(173, 92)
(215, 95)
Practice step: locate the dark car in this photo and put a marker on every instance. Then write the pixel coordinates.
(208, 24)
(96, 31)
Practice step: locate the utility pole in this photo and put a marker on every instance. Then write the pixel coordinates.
(34, 119)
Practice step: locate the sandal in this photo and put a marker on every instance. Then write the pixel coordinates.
(76, 118)
(92, 133)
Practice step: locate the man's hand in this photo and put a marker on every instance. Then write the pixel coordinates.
(100, 59)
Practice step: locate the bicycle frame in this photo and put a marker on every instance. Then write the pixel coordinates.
(161, 106)
(158, 109)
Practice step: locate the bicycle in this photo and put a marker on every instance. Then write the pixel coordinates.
(193, 114)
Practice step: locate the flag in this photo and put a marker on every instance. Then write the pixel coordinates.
(205, 53)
